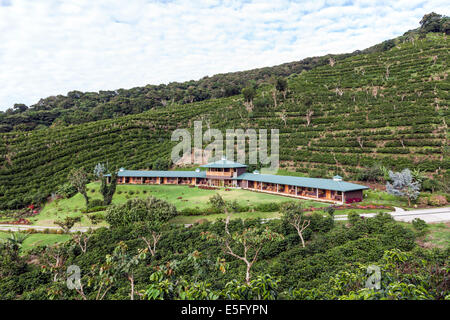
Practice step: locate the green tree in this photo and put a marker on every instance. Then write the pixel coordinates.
(282, 86)
(140, 210)
(161, 164)
(124, 263)
(11, 263)
(249, 94)
(431, 22)
(245, 245)
(106, 190)
(217, 203)
(67, 223)
(79, 179)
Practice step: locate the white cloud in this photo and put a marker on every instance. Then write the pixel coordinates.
(49, 47)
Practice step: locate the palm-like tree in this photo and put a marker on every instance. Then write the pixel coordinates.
(17, 238)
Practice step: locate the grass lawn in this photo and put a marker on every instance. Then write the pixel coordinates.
(38, 239)
(439, 235)
(383, 198)
(181, 196)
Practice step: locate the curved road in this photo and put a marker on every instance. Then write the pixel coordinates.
(428, 215)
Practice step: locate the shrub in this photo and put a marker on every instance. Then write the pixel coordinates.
(94, 209)
(420, 226)
(95, 203)
(353, 218)
(268, 207)
(216, 202)
(140, 210)
(66, 190)
(330, 210)
(437, 200)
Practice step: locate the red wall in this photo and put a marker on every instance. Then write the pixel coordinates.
(353, 196)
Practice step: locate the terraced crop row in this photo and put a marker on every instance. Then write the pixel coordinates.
(389, 108)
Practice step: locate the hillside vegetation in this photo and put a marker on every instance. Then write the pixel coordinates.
(80, 107)
(190, 264)
(387, 107)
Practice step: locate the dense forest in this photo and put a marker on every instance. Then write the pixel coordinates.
(79, 107)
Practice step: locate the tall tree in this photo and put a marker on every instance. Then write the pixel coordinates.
(107, 190)
(79, 179)
(282, 86)
(249, 94)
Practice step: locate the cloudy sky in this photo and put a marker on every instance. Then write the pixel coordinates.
(50, 47)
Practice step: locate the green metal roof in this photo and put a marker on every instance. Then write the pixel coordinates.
(326, 184)
(167, 174)
(224, 163)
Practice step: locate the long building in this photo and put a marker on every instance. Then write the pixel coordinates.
(229, 174)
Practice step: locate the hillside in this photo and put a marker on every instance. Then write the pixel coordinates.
(81, 107)
(388, 107)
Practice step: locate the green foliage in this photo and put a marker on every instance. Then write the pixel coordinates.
(11, 263)
(248, 93)
(217, 203)
(434, 22)
(139, 210)
(374, 117)
(79, 179)
(161, 164)
(190, 263)
(420, 226)
(67, 223)
(330, 210)
(94, 203)
(66, 190)
(108, 190)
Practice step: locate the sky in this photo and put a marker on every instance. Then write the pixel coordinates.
(50, 47)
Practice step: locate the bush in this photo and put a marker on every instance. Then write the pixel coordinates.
(420, 226)
(140, 210)
(268, 207)
(353, 218)
(217, 203)
(330, 210)
(94, 209)
(66, 190)
(95, 203)
(437, 200)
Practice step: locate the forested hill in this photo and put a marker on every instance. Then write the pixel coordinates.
(80, 107)
(388, 107)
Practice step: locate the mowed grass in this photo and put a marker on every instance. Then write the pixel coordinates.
(439, 235)
(38, 239)
(180, 196)
(383, 198)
